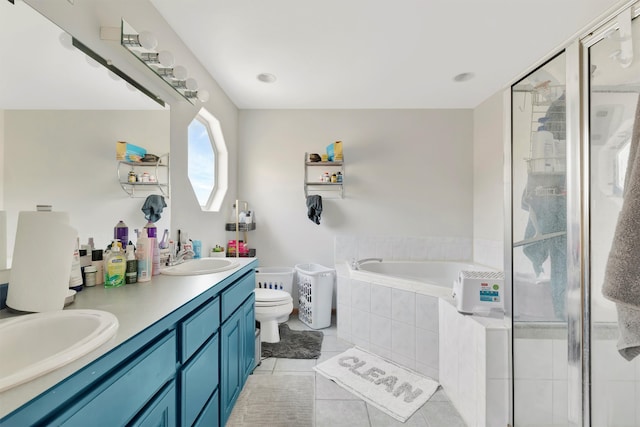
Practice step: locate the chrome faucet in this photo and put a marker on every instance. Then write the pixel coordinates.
(356, 264)
(179, 257)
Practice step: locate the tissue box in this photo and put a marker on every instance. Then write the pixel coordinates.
(129, 152)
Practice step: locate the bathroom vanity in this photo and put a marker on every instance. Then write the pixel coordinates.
(182, 353)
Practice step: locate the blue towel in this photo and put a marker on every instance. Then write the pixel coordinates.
(153, 207)
(314, 208)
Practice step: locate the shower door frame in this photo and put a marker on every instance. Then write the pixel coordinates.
(578, 213)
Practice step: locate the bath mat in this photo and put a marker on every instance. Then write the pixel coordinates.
(275, 401)
(294, 344)
(391, 388)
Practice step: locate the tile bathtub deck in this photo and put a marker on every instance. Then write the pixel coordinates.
(335, 407)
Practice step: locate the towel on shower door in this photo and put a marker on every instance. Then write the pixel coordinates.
(622, 274)
(314, 208)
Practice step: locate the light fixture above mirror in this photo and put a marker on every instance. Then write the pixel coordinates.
(143, 46)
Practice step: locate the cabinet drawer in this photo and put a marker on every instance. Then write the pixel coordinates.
(162, 411)
(210, 413)
(199, 379)
(128, 390)
(196, 329)
(233, 297)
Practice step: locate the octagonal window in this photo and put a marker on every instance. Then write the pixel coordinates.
(207, 161)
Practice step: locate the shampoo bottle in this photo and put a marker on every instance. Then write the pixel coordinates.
(116, 267)
(144, 256)
(121, 232)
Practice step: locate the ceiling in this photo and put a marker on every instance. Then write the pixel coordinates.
(373, 54)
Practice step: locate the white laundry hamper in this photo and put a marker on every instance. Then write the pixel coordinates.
(315, 291)
(279, 278)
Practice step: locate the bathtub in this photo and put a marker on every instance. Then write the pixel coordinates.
(434, 278)
(391, 308)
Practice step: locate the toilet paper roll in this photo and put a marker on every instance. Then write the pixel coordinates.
(41, 262)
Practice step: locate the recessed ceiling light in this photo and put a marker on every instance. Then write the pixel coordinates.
(463, 77)
(266, 78)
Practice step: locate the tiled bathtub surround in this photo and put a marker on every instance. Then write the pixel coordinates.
(488, 252)
(399, 325)
(398, 248)
(474, 368)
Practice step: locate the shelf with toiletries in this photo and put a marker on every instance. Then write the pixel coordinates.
(241, 220)
(139, 179)
(330, 180)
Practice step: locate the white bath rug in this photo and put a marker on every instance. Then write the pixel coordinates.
(385, 385)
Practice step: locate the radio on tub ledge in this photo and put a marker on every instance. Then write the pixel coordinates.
(183, 350)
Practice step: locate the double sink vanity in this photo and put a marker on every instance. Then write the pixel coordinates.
(180, 352)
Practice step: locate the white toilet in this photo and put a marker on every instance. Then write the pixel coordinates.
(272, 307)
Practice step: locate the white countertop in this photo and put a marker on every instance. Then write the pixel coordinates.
(137, 306)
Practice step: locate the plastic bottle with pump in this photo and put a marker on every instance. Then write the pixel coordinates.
(116, 267)
(144, 256)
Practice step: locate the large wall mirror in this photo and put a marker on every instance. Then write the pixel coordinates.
(61, 114)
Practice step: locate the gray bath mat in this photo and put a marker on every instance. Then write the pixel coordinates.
(294, 344)
(275, 401)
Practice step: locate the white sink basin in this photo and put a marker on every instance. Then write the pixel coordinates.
(34, 344)
(200, 266)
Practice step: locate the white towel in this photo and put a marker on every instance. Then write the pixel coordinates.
(622, 275)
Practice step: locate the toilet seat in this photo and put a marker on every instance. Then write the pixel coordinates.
(271, 297)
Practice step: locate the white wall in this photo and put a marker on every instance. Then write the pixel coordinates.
(83, 20)
(407, 173)
(488, 182)
(1, 163)
(67, 159)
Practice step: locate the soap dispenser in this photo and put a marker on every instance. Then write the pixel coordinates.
(116, 267)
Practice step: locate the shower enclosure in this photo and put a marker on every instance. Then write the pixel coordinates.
(571, 125)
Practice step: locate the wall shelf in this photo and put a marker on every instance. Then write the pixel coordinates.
(314, 184)
(158, 170)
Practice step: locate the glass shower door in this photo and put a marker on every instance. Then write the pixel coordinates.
(614, 84)
(539, 246)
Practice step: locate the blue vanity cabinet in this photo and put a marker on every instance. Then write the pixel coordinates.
(237, 343)
(116, 399)
(162, 411)
(248, 331)
(175, 372)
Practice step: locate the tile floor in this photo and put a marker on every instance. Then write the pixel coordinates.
(335, 407)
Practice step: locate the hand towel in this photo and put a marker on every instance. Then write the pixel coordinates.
(153, 207)
(622, 274)
(314, 208)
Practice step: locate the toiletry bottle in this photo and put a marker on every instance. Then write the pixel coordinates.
(131, 275)
(116, 267)
(75, 279)
(164, 243)
(144, 256)
(155, 248)
(90, 276)
(121, 232)
(98, 263)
